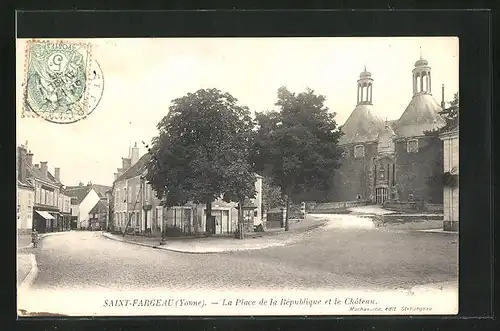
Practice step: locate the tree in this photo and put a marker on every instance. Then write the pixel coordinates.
(202, 151)
(297, 147)
(450, 115)
(271, 195)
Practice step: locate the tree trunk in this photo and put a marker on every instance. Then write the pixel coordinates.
(287, 216)
(240, 220)
(208, 220)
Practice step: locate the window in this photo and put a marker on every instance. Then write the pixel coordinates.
(359, 151)
(117, 196)
(412, 146)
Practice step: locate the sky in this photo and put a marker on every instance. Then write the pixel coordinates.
(142, 76)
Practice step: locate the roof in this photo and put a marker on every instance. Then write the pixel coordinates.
(32, 171)
(52, 178)
(78, 193)
(100, 206)
(136, 169)
(364, 124)
(422, 114)
(451, 131)
(101, 189)
(24, 185)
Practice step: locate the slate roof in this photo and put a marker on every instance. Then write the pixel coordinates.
(364, 124)
(24, 185)
(100, 206)
(135, 170)
(101, 189)
(451, 131)
(77, 193)
(32, 171)
(422, 114)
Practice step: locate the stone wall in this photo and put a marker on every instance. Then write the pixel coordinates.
(420, 173)
(354, 175)
(340, 205)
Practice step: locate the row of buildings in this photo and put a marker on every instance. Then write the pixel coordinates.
(46, 204)
(135, 207)
(399, 161)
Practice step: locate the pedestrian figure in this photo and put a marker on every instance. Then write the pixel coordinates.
(34, 238)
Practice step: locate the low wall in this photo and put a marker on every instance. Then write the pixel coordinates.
(340, 205)
(434, 208)
(413, 206)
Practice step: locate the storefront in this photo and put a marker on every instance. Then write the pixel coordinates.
(43, 221)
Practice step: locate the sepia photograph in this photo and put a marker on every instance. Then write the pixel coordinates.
(237, 176)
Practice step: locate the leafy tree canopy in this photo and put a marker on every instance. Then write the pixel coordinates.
(296, 147)
(450, 115)
(202, 150)
(272, 196)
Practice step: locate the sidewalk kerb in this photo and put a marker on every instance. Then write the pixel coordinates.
(439, 231)
(31, 276)
(113, 237)
(43, 235)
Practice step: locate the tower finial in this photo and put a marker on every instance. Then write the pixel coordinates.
(420, 52)
(365, 67)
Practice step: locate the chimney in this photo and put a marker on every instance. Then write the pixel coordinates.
(80, 184)
(21, 165)
(57, 174)
(126, 163)
(443, 104)
(43, 167)
(116, 176)
(134, 155)
(29, 159)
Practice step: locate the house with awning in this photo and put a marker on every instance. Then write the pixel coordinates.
(46, 212)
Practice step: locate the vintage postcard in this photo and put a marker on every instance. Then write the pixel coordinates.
(237, 176)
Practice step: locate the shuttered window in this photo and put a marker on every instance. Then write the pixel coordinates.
(412, 146)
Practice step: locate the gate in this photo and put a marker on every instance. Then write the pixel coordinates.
(382, 194)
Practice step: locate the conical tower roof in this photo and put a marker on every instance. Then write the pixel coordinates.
(422, 114)
(363, 125)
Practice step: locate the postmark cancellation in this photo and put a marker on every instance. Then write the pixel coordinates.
(62, 83)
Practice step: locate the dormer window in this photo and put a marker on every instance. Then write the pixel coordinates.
(359, 151)
(412, 146)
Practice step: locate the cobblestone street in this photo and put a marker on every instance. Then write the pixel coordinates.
(323, 258)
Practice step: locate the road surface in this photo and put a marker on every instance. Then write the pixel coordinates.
(332, 259)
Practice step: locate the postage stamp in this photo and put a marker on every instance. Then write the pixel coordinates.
(63, 84)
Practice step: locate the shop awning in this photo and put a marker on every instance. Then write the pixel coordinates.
(45, 215)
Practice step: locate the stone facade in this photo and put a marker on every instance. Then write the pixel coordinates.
(135, 201)
(395, 160)
(25, 201)
(451, 193)
(419, 174)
